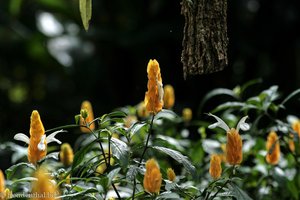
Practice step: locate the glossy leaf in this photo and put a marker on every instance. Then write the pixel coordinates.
(85, 7)
(176, 155)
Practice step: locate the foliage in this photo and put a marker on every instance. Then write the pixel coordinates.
(113, 140)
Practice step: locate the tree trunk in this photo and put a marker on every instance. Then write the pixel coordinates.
(205, 36)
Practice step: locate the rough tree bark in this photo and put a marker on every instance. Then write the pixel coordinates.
(205, 36)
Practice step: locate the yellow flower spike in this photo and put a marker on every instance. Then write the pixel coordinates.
(129, 120)
(187, 114)
(2, 182)
(141, 110)
(215, 169)
(152, 179)
(273, 148)
(43, 188)
(86, 105)
(154, 95)
(38, 141)
(296, 128)
(234, 154)
(66, 154)
(169, 96)
(102, 166)
(171, 174)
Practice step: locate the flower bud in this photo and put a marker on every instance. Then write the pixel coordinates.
(152, 179)
(169, 96)
(171, 174)
(187, 114)
(234, 154)
(273, 148)
(87, 116)
(215, 169)
(66, 154)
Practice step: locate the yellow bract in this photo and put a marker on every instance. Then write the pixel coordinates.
(86, 105)
(215, 169)
(296, 127)
(141, 110)
(152, 179)
(2, 183)
(273, 148)
(234, 154)
(154, 95)
(169, 96)
(187, 114)
(43, 188)
(37, 131)
(171, 174)
(66, 154)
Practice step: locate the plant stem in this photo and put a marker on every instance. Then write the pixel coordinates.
(227, 181)
(107, 162)
(146, 147)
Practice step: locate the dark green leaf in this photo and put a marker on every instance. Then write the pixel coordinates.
(136, 127)
(111, 175)
(290, 96)
(179, 158)
(216, 92)
(85, 7)
(238, 193)
(166, 114)
(10, 171)
(227, 105)
(120, 151)
(168, 195)
(79, 156)
(81, 193)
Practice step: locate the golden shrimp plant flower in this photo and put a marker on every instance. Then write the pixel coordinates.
(66, 154)
(154, 96)
(234, 154)
(2, 183)
(169, 96)
(153, 178)
(44, 188)
(215, 169)
(38, 141)
(86, 107)
(273, 148)
(295, 123)
(171, 174)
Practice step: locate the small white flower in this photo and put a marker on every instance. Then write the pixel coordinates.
(220, 123)
(41, 146)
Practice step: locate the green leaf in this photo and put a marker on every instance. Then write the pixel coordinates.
(111, 175)
(85, 7)
(290, 96)
(120, 150)
(293, 190)
(136, 127)
(79, 156)
(166, 114)
(179, 158)
(238, 193)
(10, 171)
(168, 195)
(80, 194)
(216, 92)
(26, 179)
(230, 104)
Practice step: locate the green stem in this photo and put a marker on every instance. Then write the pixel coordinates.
(64, 127)
(146, 147)
(106, 161)
(227, 181)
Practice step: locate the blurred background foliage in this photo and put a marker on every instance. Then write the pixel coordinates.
(48, 62)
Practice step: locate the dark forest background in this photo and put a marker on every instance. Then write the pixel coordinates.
(54, 70)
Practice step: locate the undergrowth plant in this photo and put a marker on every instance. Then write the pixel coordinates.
(147, 152)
